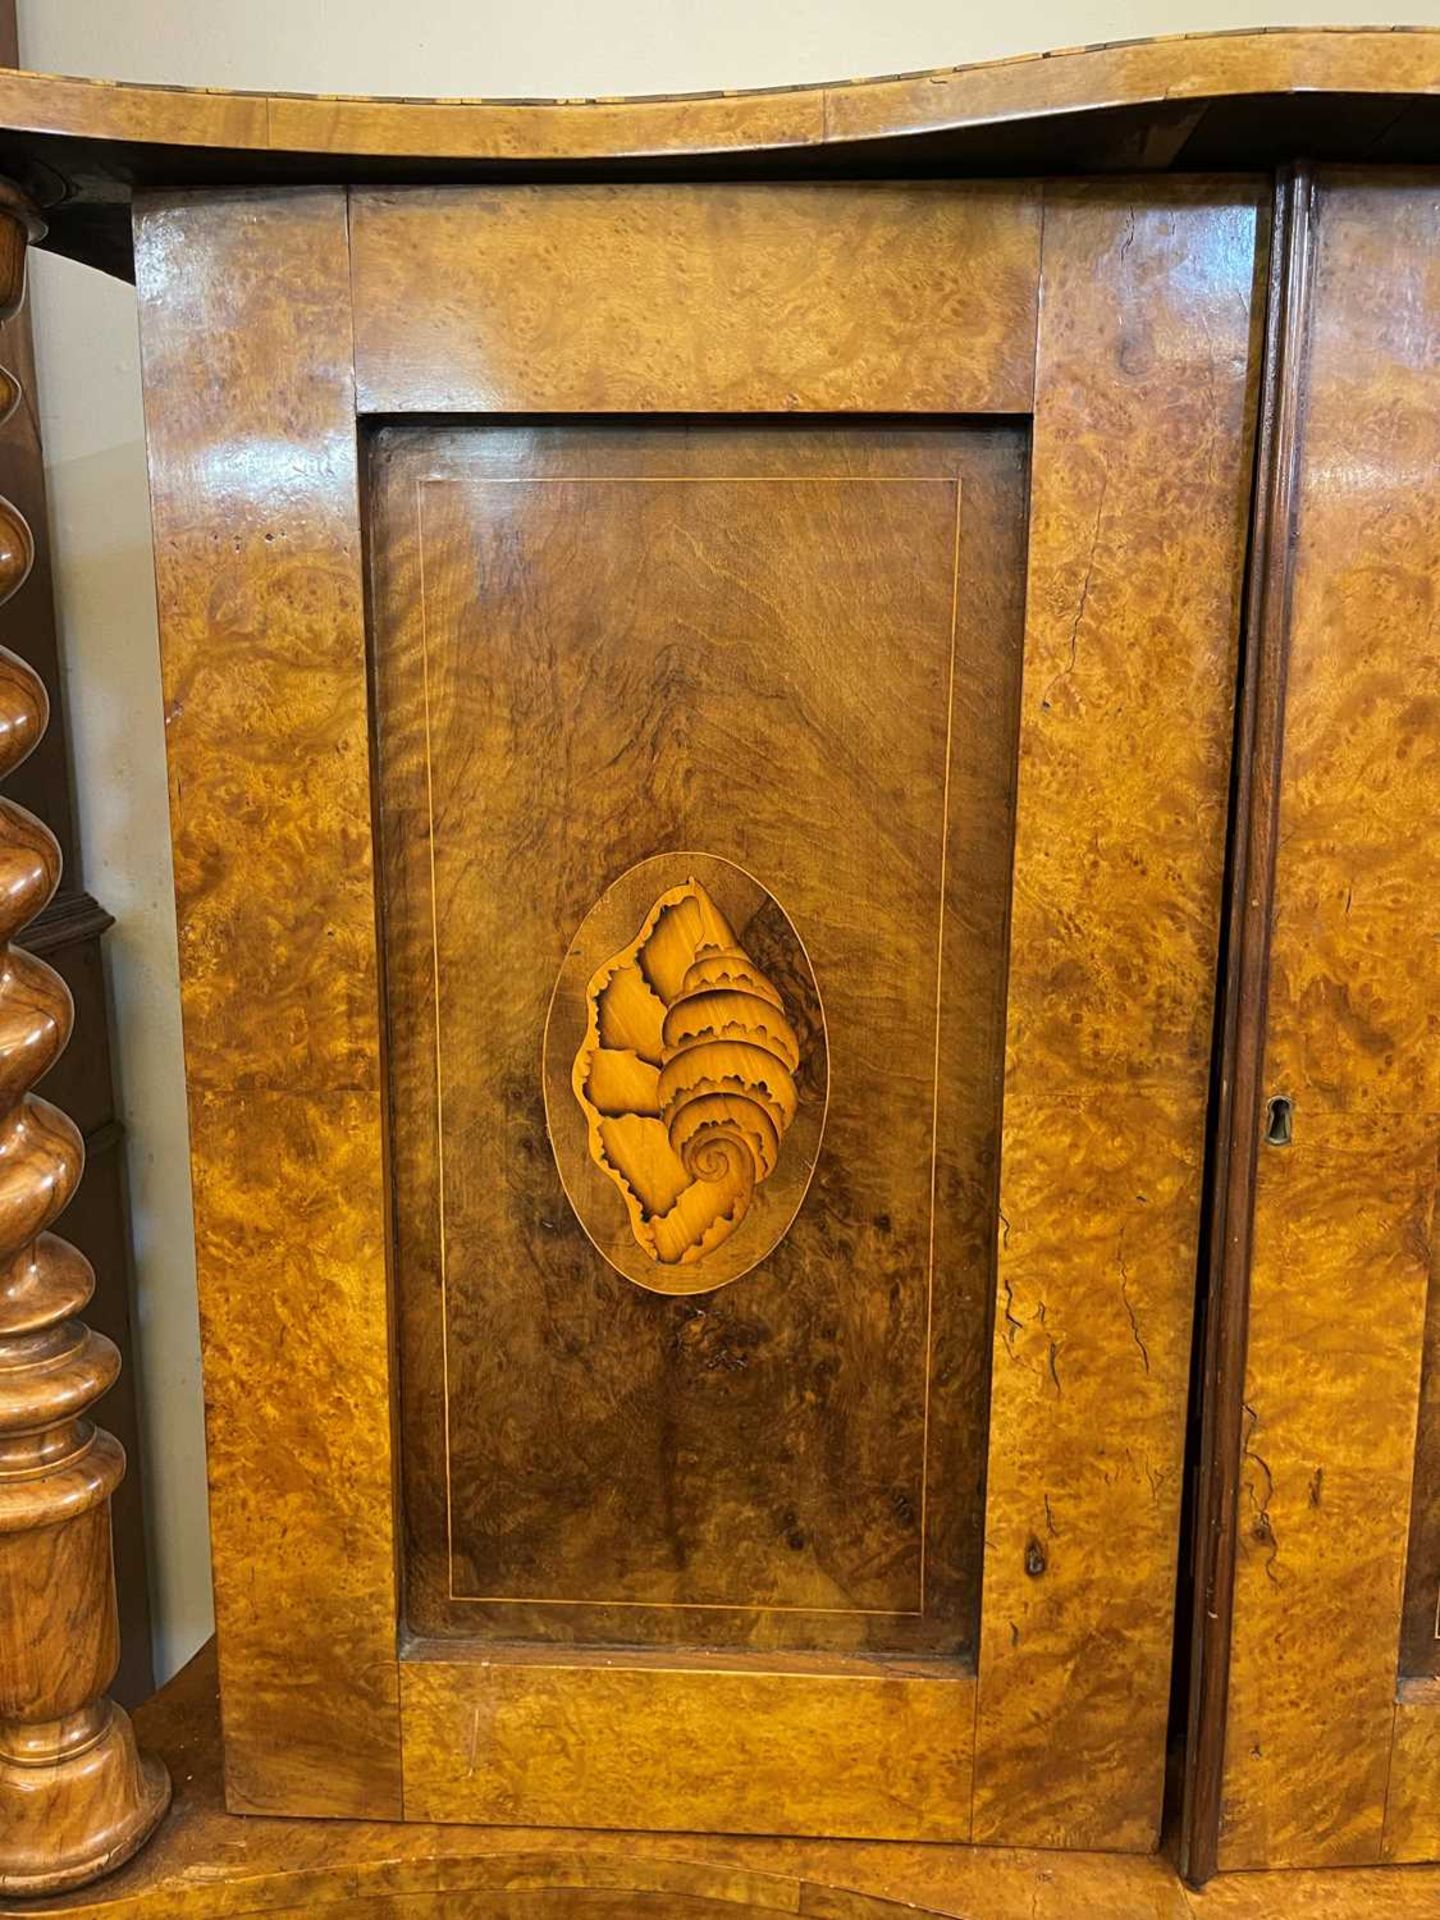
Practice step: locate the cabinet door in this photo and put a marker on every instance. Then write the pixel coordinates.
(700, 725)
(1331, 1751)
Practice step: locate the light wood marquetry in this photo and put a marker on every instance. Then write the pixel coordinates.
(687, 1079)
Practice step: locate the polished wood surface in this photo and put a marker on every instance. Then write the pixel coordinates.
(1198, 100)
(1191, 67)
(760, 643)
(1075, 79)
(878, 297)
(246, 345)
(1237, 1096)
(1342, 1237)
(1420, 1622)
(69, 933)
(207, 1863)
(746, 1472)
(804, 618)
(699, 1508)
(76, 1798)
(1140, 469)
(864, 1750)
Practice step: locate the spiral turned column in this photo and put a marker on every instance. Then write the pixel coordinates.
(76, 1798)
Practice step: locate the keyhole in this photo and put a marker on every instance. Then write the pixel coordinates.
(1279, 1115)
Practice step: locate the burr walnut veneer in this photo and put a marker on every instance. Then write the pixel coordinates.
(800, 785)
(674, 590)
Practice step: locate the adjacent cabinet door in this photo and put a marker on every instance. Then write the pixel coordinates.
(1331, 1737)
(700, 728)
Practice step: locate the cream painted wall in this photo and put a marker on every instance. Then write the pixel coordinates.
(89, 388)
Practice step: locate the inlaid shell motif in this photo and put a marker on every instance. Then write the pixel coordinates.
(686, 1077)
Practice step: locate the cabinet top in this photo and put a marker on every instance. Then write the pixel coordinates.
(1246, 99)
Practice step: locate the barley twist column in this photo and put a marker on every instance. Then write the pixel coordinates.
(76, 1798)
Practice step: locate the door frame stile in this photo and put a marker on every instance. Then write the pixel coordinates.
(1240, 1026)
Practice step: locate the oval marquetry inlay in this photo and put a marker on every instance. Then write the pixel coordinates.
(686, 1073)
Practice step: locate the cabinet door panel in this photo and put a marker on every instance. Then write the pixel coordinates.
(1332, 1735)
(614, 664)
(790, 1264)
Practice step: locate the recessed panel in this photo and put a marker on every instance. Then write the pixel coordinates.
(696, 766)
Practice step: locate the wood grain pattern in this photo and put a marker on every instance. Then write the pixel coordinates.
(1237, 1101)
(628, 592)
(1140, 474)
(1065, 81)
(1187, 67)
(1412, 1812)
(1342, 1894)
(727, 298)
(857, 1755)
(748, 1470)
(206, 1864)
(250, 417)
(76, 1797)
(1190, 102)
(69, 933)
(1343, 1216)
(1071, 80)
(1331, 1385)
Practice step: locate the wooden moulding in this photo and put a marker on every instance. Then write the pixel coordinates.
(1192, 102)
(1240, 1031)
(1326, 1761)
(76, 1798)
(1071, 80)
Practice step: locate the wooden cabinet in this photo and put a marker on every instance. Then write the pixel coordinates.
(801, 814)
(751, 748)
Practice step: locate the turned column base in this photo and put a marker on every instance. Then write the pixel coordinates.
(79, 1800)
